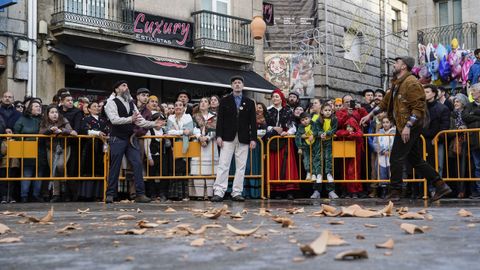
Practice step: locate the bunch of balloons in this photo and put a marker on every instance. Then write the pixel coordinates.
(439, 64)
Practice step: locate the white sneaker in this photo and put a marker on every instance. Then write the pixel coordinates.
(319, 178)
(332, 195)
(330, 178)
(308, 177)
(314, 177)
(315, 195)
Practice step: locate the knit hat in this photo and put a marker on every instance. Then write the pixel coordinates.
(282, 96)
(153, 97)
(338, 101)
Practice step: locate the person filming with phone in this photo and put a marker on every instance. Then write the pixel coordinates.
(350, 109)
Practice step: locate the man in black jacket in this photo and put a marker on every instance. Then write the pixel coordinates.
(8, 111)
(236, 130)
(74, 117)
(439, 120)
(471, 117)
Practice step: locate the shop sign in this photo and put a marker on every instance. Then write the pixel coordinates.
(163, 31)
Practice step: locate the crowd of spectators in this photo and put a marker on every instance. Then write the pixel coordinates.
(311, 127)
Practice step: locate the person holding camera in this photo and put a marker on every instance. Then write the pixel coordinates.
(351, 108)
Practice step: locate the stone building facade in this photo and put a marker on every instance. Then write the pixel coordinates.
(352, 42)
(439, 21)
(220, 40)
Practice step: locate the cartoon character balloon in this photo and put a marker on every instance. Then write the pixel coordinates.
(432, 63)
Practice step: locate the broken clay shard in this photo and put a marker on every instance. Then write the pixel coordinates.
(4, 228)
(126, 217)
(464, 213)
(317, 247)
(242, 232)
(388, 244)
(353, 254)
(411, 228)
(48, 217)
(412, 215)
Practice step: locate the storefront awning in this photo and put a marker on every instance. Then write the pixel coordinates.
(159, 68)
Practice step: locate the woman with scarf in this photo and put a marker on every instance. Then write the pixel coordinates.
(458, 144)
(282, 164)
(205, 124)
(180, 124)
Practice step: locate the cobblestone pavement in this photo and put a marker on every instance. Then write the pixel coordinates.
(451, 243)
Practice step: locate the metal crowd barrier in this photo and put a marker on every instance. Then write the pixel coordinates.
(194, 151)
(456, 148)
(341, 149)
(24, 148)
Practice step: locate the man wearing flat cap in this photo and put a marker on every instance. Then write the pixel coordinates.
(184, 97)
(236, 131)
(406, 105)
(124, 116)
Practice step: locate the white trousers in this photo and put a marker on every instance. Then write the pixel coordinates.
(226, 153)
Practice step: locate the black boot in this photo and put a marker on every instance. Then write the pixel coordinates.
(393, 196)
(441, 189)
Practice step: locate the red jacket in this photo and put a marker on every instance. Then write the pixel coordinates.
(343, 116)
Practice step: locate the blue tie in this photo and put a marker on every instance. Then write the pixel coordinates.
(238, 100)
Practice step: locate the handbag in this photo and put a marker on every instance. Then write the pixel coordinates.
(455, 147)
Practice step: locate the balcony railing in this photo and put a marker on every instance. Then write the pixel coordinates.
(465, 33)
(220, 33)
(109, 15)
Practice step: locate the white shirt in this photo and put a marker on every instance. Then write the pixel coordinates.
(112, 113)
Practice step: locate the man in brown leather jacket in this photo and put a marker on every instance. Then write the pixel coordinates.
(406, 104)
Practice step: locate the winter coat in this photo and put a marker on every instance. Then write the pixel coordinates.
(439, 119)
(471, 117)
(74, 117)
(474, 72)
(10, 115)
(384, 144)
(409, 99)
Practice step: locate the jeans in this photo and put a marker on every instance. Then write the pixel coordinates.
(29, 171)
(476, 161)
(411, 151)
(118, 148)
(384, 174)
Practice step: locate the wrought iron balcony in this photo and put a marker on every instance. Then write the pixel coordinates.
(114, 17)
(465, 33)
(222, 36)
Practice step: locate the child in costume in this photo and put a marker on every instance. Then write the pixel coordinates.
(325, 128)
(353, 132)
(305, 141)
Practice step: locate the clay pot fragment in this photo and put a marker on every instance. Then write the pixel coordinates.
(353, 254)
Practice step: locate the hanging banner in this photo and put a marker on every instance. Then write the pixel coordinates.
(290, 17)
(163, 31)
(268, 16)
(277, 70)
(302, 80)
(291, 72)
